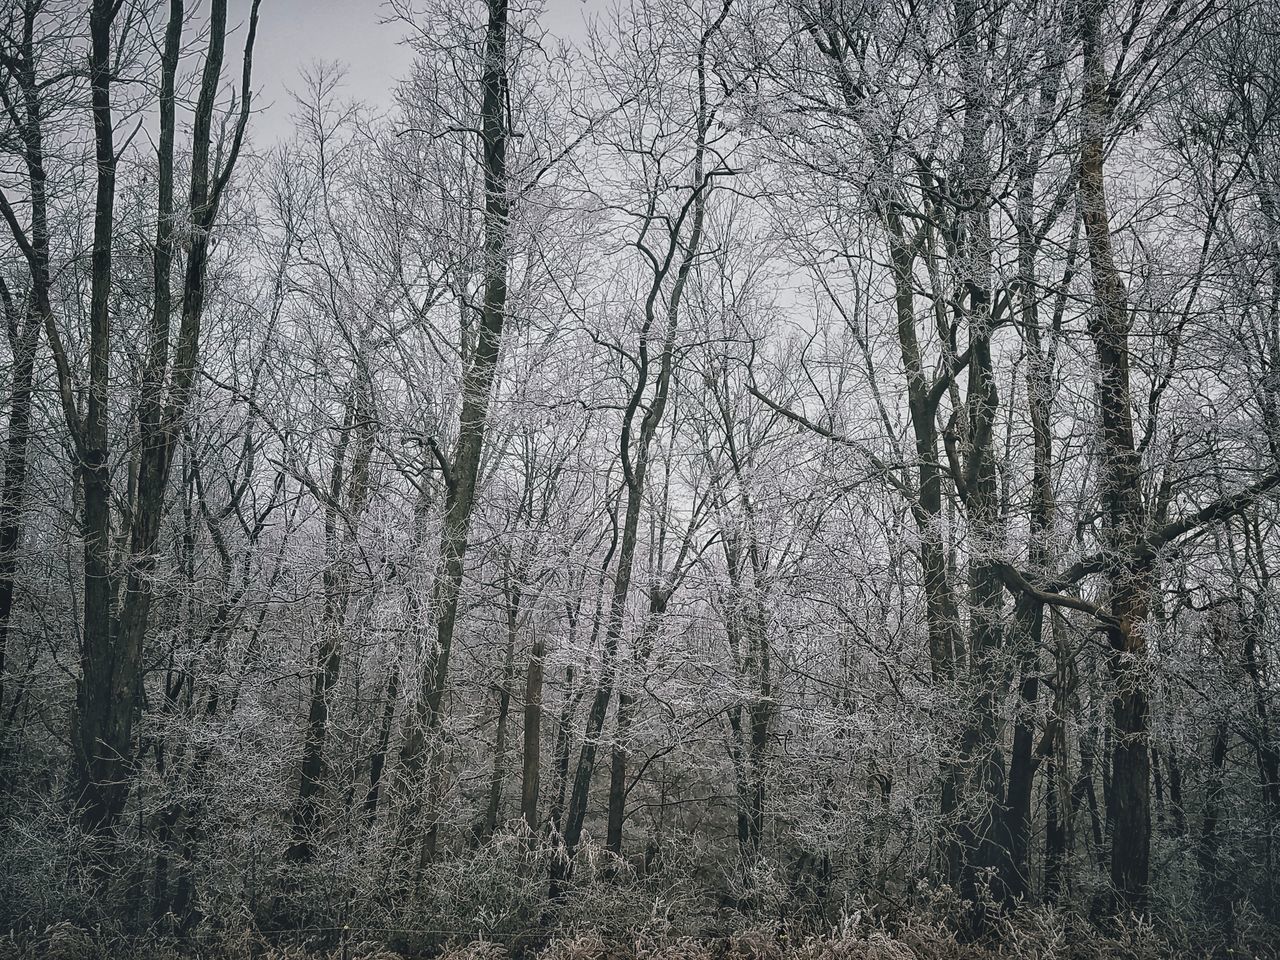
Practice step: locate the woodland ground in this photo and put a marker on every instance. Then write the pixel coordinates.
(1035, 935)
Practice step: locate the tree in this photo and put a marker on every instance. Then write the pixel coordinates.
(669, 223)
(461, 470)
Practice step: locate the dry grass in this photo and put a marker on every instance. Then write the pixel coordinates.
(1034, 935)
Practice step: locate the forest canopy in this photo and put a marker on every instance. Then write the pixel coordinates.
(745, 471)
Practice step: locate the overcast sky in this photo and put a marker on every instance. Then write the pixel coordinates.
(295, 33)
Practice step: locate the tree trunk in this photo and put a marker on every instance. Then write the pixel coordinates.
(941, 613)
(23, 340)
(463, 471)
(681, 251)
(103, 721)
(618, 774)
(579, 793)
(311, 781)
(1055, 834)
(1179, 813)
(344, 505)
(1086, 792)
(1216, 888)
(987, 849)
(378, 759)
(625, 719)
(1128, 573)
(532, 766)
(1029, 611)
(490, 821)
(1059, 814)
(111, 654)
(1267, 752)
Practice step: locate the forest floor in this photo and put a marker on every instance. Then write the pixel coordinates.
(1027, 940)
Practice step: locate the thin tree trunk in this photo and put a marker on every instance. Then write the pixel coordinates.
(1085, 792)
(111, 653)
(378, 759)
(1029, 611)
(1267, 752)
(745, 626)
(572, 698)
(579, 794)
(941, 613)
(635, 467)
(1055, 834)
(1175, 795)
(345, 501)
(618, 774)
(625, 719)
(23, 341)
(1058, 802)
(463, 470)
(1215, 887)
(1157, 778)
(531, 767)
(490, 821)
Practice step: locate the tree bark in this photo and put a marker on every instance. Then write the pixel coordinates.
(496, 778)
(477, 387)
(103, 722)
(378, 759)
(24, 333)
(531, 768)
(111, 653)
(1129, 571)
(1028, 620)
(941, 611)
(1215, 887)
(618, 774)
(344, 504)
(24, 340)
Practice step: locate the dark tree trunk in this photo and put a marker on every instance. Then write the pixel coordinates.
(1022, 769)
(111, 654)
(378, 759)
(1178, 811)
(1157, 780)
(24, 338)
(1059, 812)
(1086, 792)
(481, 367)
(1055, 834)
(681, 253)
(941, 613)
(1214, 884)
(560, 769)
(618, 774)
(625, 720)
(579, 793)
(1129, 572)
(305, 816)
(496, 779)
(531, 767)
(344, 504)
(1266, 749)
(23, 341)
(984, 834)
(1028, 618)
(103, 722)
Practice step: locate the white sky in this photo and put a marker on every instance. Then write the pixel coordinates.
(293, 34)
